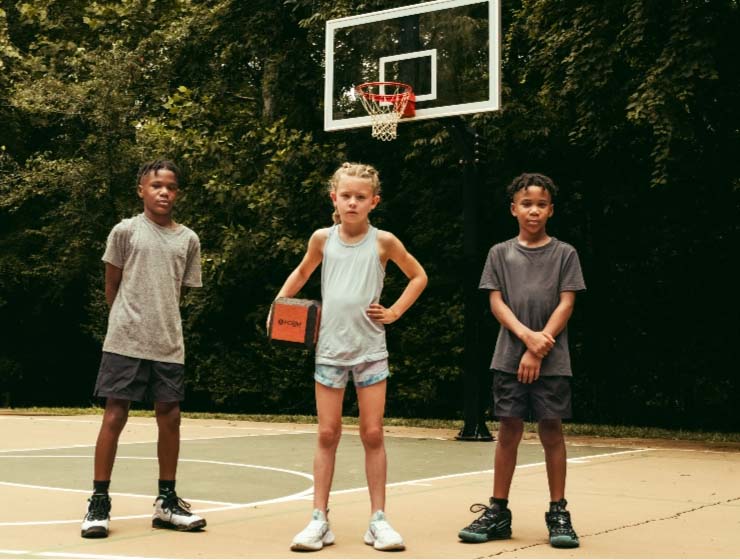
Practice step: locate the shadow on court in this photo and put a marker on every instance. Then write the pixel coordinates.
(252, 481)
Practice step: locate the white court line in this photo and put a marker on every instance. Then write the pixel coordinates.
(220, 506)
(77, 491)
(419, 481)
(273, 431)
(97, 422)
(200, 438)
(87, 556)
(140, 442)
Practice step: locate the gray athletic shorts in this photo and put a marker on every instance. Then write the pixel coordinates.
(547, 398)
(136, 379)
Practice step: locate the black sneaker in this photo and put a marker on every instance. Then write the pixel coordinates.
(95, 523)
(561, 530)
(493, 524)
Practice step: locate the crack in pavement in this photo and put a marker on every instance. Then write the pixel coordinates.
(613, 529)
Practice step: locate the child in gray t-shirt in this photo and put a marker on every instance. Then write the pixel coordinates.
(532, 280)
(148, 259)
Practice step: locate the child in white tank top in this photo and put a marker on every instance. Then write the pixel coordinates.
(353, 255)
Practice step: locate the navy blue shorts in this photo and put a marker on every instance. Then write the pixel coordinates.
(547, 398)
(136, 379)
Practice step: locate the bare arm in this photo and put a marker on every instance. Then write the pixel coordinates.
(537, 342)
(113, 276)
(561, 315)
(529, 366)
(314, 254)
(537, 346)
(391, 249)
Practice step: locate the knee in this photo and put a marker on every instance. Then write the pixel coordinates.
(551, 433)
(168, 415)
(329, 436)
(115, 418)
(510, 432)
(372, 437)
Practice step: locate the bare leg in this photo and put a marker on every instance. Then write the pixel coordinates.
(329, 410)
(168, 442)
(114, 420)
(551, 436)
(371, 401)
(509, 435)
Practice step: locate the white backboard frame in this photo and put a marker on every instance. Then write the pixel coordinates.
(493, 103)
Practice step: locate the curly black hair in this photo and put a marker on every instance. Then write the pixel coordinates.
(156, 165)
(532, 180)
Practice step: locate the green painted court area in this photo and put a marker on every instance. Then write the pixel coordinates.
(255, 468)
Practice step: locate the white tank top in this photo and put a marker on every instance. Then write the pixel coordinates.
(351, 279)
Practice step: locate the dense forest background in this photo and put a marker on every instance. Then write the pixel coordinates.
(632, 106)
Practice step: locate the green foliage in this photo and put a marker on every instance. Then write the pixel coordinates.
(631, 106)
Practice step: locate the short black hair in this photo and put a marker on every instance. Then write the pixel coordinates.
(157, 164)
(531, 180)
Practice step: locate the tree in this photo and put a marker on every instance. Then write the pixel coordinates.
(632, 107)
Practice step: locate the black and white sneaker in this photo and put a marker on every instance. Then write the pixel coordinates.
(172, 512)
(95, 523)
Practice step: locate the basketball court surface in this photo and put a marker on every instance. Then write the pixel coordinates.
(253, 483)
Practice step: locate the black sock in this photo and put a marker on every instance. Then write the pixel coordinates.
(166, 487)
(101, 486)
(500, 502)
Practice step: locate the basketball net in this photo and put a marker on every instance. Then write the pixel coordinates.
(386, 103)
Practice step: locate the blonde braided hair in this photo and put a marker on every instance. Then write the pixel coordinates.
(359, 170)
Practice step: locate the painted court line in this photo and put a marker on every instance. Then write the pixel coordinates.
(272, 431)
(419, 481)
(186, 425)
(220, 506)
(77, 491)
(140, 442)
(199, 438)
(80, 555)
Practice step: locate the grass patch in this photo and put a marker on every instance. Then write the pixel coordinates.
(572, 429)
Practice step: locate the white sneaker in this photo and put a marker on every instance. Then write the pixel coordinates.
(316, 534)
(172, 512)
(97, 518)
(381, 535)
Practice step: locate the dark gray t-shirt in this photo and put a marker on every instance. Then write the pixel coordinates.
(144, 320)
(530, 281)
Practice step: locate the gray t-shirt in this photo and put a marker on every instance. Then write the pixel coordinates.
(144, 320)
(530, 281)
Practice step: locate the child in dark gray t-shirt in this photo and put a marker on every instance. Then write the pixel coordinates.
(531, 280)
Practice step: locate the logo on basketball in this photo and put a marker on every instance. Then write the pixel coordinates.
(289, 322)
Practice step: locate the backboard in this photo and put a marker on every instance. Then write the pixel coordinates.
(447, 50)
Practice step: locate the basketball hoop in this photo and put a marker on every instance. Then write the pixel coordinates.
(386, 103)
